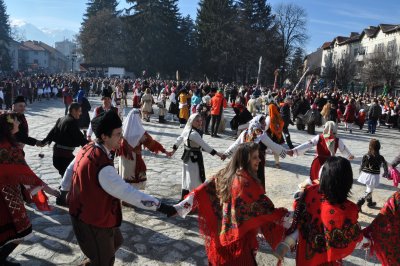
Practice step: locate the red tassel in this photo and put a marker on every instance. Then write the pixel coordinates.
(41, 201)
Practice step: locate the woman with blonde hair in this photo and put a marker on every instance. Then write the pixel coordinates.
(326, 110)
(232, 208)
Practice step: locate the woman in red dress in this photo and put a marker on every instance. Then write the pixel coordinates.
(16, 176)
(350, 115)
(232, 208)
(327, 145)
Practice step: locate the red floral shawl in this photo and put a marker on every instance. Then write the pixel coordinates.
(230, 230)
(384, 232)
(14, 173)
(328, 232)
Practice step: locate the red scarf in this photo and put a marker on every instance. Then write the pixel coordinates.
(230, 230)
(384, 232)
(328, 232)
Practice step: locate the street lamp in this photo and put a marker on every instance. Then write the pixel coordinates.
(72, 57)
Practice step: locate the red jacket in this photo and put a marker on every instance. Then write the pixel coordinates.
(216, 103)
(88, 202)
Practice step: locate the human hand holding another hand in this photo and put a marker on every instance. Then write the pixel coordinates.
(51, 191)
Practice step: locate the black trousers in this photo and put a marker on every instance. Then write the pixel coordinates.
(287, 136)
(61, 163)
(215, 120)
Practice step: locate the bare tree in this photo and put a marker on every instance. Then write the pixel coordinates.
(291, 21)
(381, 68)
(345, 71)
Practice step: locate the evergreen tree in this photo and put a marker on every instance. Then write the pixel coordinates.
(5, 60)
(217, 38)
(257, 37)
(188, 47)
(154, 37)
(296, 63)
(101, 39)
(94, 6)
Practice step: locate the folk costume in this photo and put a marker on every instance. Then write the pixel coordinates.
(17, 183)
(183, 107)
(256, 134)
(67, 136)
(327, 144)
(230, 229)
(384, 232)
(370, 176)
(131, 164)
(95, 197)
(22, 135)
(327, 232)
(193, 173)
(162, 105)
(274, 125)
(100, 110)
(146, 103)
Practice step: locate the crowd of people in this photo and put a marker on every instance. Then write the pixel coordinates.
(232, 206)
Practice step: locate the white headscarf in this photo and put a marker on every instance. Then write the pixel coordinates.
(188, 126)
(255, 123)
(329, 133)
(132, 128)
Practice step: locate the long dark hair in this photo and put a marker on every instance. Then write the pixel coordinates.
(239, 162)
(6, 126)
(336, 179)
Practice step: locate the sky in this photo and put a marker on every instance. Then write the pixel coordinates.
(326, 19)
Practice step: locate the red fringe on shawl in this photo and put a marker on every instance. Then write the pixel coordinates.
(230, 230)
(384, 232)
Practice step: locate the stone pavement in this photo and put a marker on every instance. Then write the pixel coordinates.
(151, 238)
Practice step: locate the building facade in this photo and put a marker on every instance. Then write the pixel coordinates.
(360, 50)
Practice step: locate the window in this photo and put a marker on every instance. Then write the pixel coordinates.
(35, 61)
(391, 46)
(379, 48)
(355, 52)
(362, 50)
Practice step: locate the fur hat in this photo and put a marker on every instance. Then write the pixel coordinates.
(107, 121)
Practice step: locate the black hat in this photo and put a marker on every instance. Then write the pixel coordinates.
(106, 122)
(105, 93)
(19, 99)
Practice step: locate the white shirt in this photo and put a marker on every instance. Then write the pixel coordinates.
(276, 148)
(113, 184)
(301, 149)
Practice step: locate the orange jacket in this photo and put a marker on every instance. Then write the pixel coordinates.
(216, 102)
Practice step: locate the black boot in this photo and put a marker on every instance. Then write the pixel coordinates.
(5, 251)
(360, 203)
(371, 203)
(62, 199)
(184, 193)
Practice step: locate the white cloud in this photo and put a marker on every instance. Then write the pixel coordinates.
(15, 22)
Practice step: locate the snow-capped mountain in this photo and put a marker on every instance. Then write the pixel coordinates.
(24, 31)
